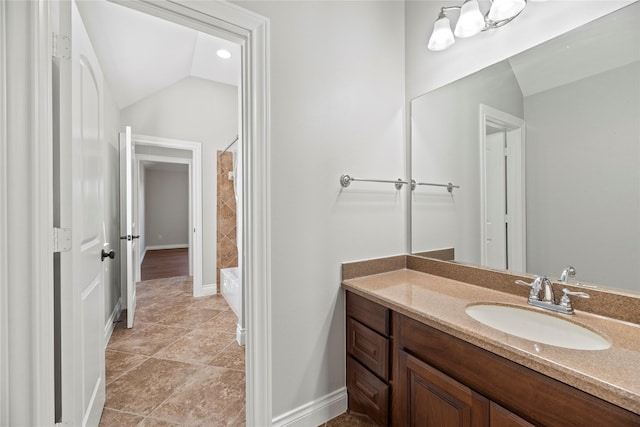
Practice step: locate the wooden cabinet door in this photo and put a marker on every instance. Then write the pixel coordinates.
(430, 398)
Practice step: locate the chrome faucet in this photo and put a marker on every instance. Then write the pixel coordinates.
(567, 273)
(541, 295)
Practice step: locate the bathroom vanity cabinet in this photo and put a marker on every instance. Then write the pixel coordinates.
(368, 364)
(401, 372)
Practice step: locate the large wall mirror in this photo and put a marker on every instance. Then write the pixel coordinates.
(545, 149)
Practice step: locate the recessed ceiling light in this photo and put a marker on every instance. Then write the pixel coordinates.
(224, 54)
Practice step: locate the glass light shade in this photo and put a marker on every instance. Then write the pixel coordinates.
(471, 20)
(505, 9)
(442, 37)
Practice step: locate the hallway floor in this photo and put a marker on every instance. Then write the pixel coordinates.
(179, 365)
(158, 264)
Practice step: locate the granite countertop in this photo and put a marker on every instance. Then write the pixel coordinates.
(612, 374)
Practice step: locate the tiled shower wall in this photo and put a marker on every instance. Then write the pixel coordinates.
(226, 249)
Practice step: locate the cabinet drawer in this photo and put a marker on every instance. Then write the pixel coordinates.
(368, 313)
(501, 417)
(367, 393)
(368, 347)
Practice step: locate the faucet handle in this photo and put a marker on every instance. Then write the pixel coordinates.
(567, 273)
(565, 301)
(536, 285)
(523, 283)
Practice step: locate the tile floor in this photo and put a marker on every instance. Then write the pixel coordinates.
(180, 365)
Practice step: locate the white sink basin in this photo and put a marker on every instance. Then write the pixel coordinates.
(536, 326)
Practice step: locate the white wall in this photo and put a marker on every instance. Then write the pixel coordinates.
(111, 167)
(445, 148)
(590, 179)
(142, 211)
(337, 95)
(539, 22)
(166, 207)
(197, 110)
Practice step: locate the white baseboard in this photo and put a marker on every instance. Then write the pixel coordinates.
(108, 327)
(206, 290)
(240, 334)
(316, 412)
(160, 247)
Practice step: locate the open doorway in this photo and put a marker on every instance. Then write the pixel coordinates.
(251, 32)
(164, 216)
(169, 184)
(502, 192)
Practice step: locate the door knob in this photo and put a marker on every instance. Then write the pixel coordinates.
(111, 254)
(129, 237)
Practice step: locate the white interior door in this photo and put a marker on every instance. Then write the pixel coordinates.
(127, 236)
(82, 210)
(496, 228)
(503, 191)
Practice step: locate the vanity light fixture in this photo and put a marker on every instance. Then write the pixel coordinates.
(471, 21)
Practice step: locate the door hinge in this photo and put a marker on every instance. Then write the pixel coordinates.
(61, 46)
(506, 219)
(61, 239)
(506, 151)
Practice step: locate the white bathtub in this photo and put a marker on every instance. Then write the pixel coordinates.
(231, 288)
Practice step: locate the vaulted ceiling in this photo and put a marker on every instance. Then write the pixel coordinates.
(140, 54)
(608, 43)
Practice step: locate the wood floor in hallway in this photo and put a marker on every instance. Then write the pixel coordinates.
(160, 264)
(179, 365)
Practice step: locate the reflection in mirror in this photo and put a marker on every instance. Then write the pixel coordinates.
(502, 207)
(546, 149)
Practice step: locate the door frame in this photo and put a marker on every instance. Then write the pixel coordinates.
(222, 19)
(195, 199)
(4, 277)
(165, 159)
(515, 140)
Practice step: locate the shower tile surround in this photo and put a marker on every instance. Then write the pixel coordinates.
(386, 281)
(226, 246)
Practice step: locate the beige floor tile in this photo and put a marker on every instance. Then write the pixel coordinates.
(189, 317)
(241, 420)
(148, 341)
(145, 387)
(120, 330)
(212, 396)
(162, 283)
(157, 372)
(161, 295)
(157, 312)
(117, 363)
(111, 418)
(152, 422)
(226, 321)
(213, 302)
(232, 357)
(197, 347)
